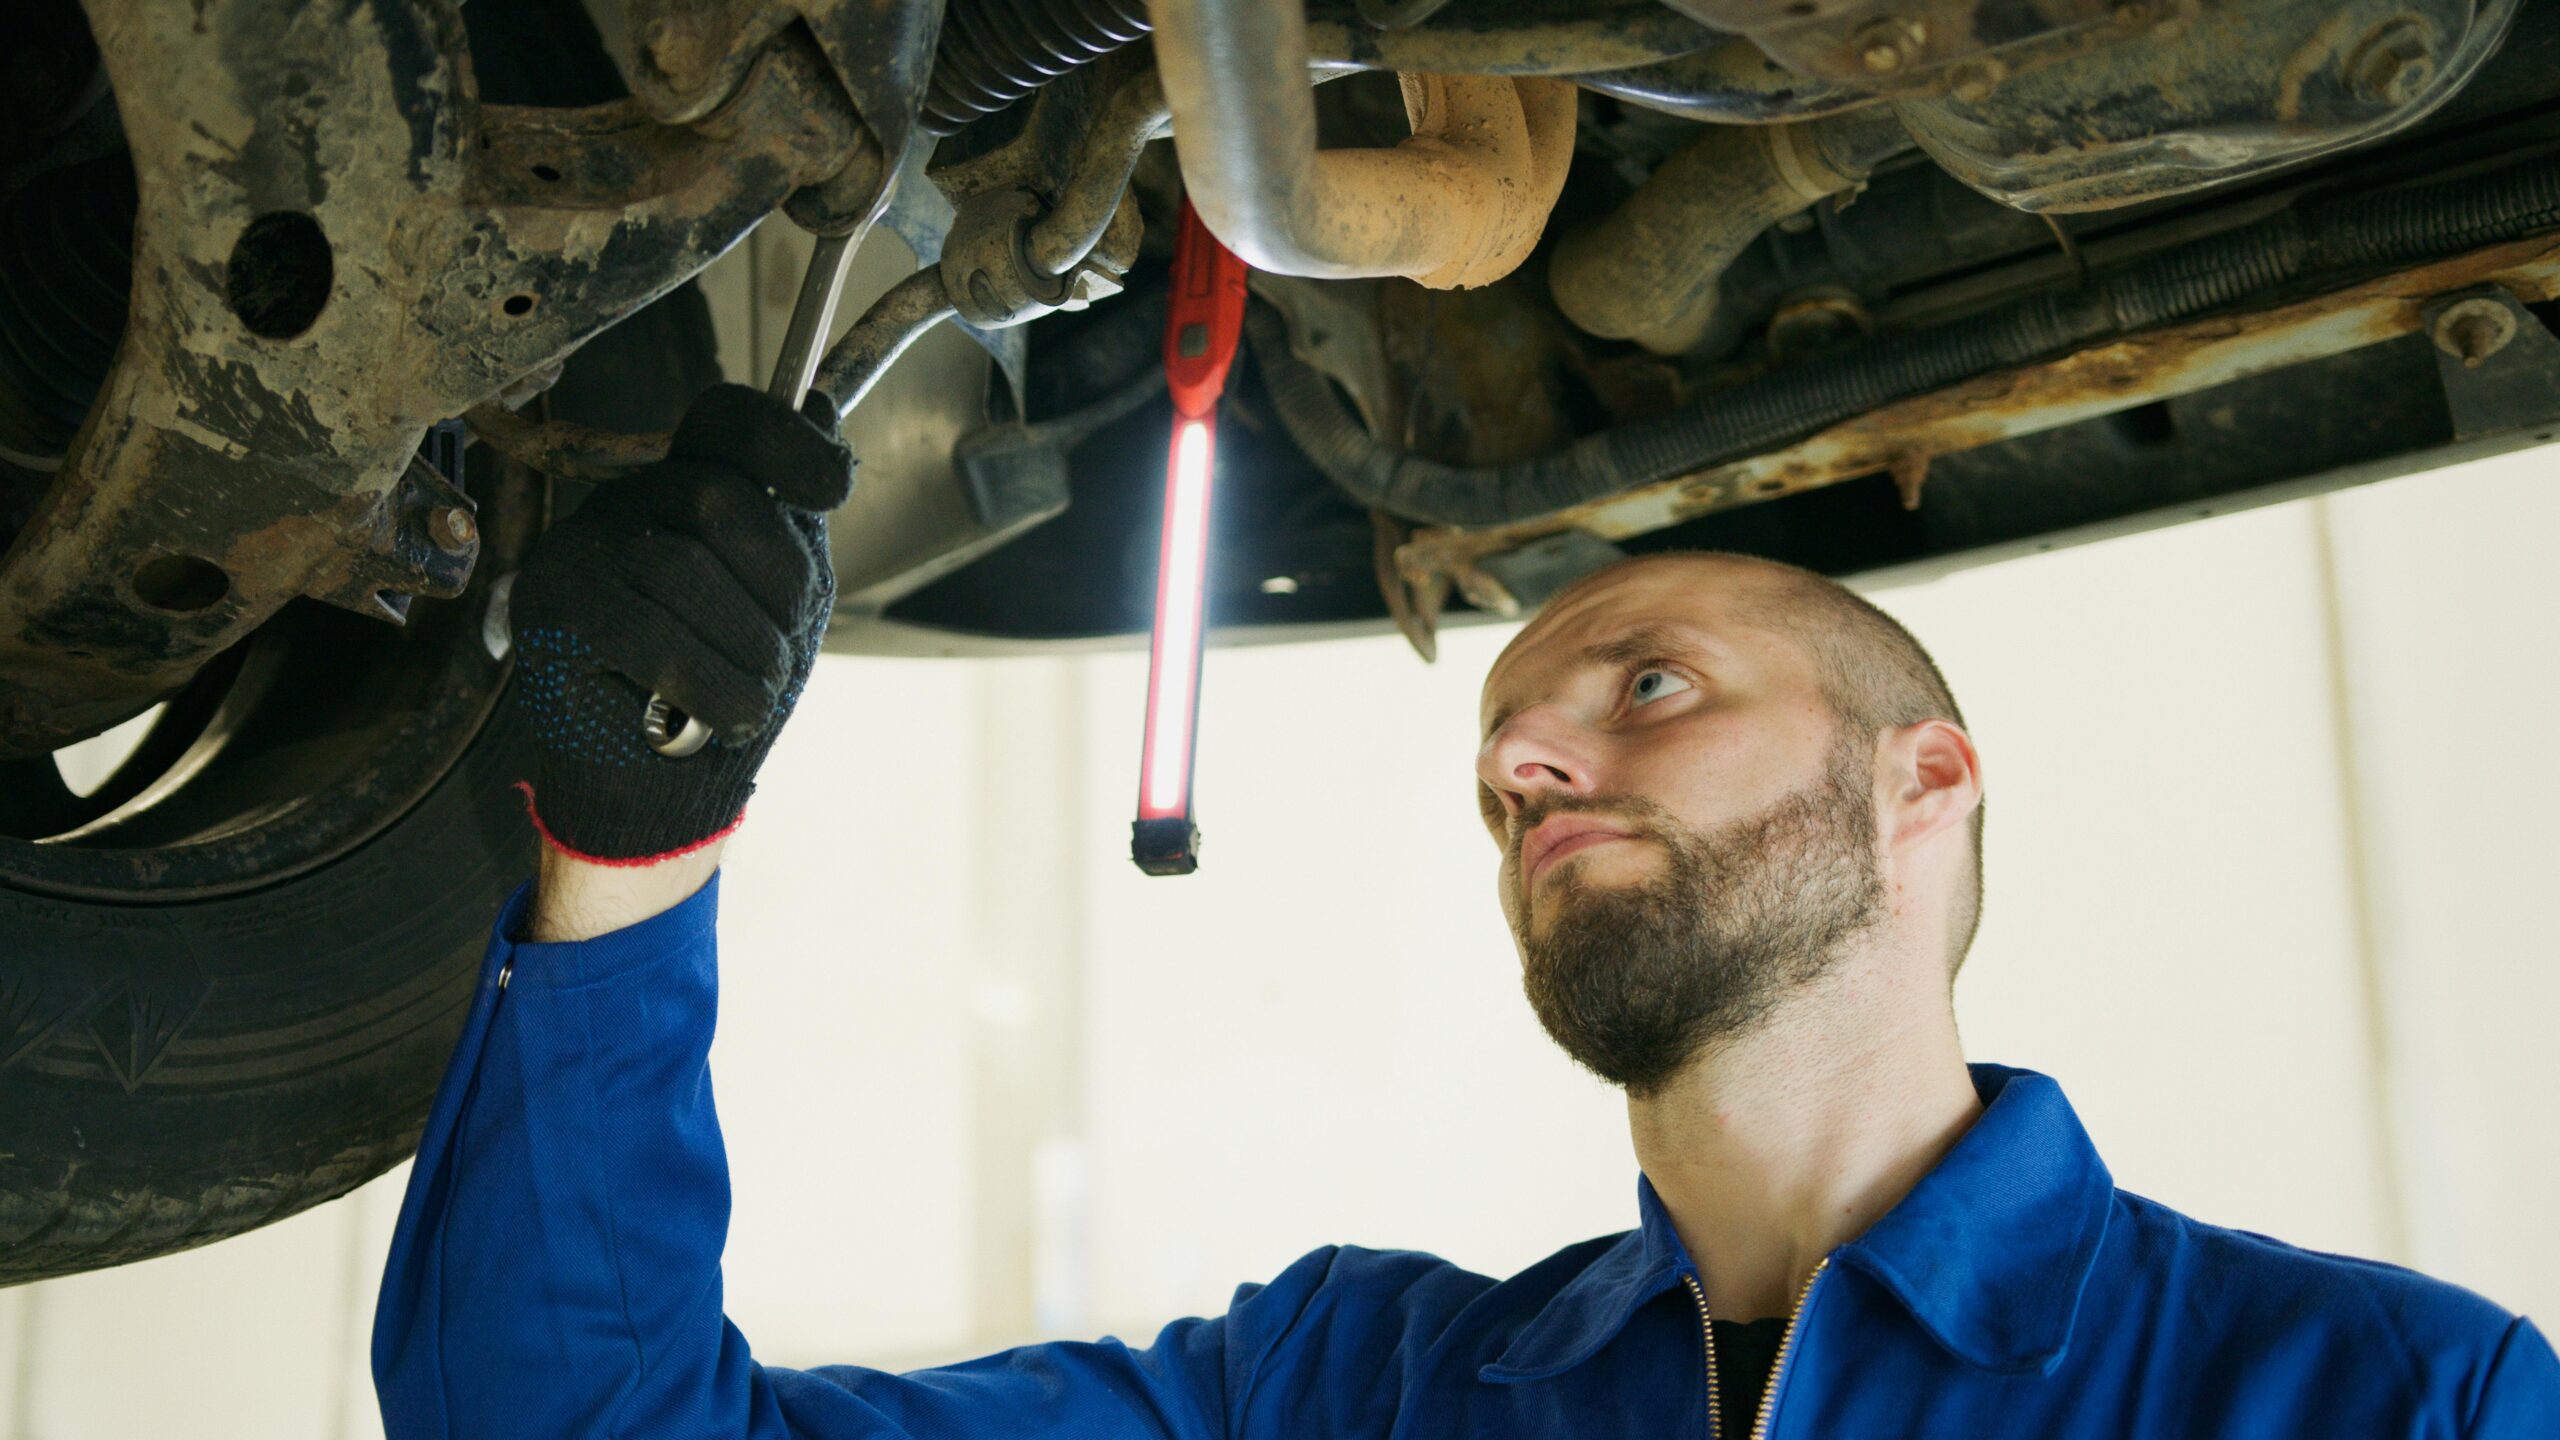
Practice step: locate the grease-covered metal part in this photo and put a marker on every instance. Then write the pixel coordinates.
(338, 246)
(1074, 154)
(990, 277)
(1089, 125)
(1651, 271)
(1732, 82)
(2499, 364)
(689, 57)
(2122, 374)
(1090, 195)
(2325, 240)
(1908, 47)
(985, 269)
(562, 449)
(1459, 203)
(421, 542)
(2215, 91)
(845, 374)
(849, 200)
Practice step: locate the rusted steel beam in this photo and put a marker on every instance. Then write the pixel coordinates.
(1901, 438)
(559, 448)
(337, 246)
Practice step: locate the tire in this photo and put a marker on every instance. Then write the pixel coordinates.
(175, 1074)
(210, 1027)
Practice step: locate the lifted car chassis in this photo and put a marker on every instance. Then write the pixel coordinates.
(339, 246)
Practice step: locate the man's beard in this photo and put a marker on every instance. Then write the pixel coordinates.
(1635, 981)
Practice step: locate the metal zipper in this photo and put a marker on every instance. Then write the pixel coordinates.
(1777, 1364)
(1707, 1327)
(1786, 1343)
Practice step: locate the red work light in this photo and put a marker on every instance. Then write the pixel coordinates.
(1202, 323)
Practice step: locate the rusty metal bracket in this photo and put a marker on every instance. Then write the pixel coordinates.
(562, 449)
(422, 541)
(2499, 363)
(2170, 361)
(338, 245)
(1532, 574)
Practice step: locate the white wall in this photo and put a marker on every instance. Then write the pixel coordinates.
(2169, 927)
(2268, 834)
(2450, 602)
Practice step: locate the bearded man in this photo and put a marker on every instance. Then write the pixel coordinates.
(1739, 821)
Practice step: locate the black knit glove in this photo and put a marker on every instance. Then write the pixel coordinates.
(703, 578)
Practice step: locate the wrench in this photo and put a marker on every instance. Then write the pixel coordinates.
(670, 731)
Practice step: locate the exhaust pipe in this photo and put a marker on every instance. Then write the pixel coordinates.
(1459, 204)
(1653, 270)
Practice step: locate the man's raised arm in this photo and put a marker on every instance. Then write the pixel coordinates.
(556, 1270)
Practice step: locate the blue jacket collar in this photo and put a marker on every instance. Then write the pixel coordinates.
(1988, 1253)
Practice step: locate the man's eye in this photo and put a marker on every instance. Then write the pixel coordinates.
(1652, 685)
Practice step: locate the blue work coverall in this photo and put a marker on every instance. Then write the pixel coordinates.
(556, 1272)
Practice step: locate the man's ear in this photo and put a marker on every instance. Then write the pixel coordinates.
(1933, 781)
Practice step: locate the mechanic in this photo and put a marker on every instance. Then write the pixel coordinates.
(1739, 824)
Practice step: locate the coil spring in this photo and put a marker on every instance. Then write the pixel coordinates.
(994, 52)
(66, 267)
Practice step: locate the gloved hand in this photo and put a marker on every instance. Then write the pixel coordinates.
(704, 578)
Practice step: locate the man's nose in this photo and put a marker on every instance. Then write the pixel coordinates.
(1535, 752)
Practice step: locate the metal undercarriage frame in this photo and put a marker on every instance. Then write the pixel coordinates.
(2502, 383)
(338, 246)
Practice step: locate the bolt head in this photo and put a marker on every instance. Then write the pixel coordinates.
(2474, 330)
(1888, 44)
(1974, 80)
(452, 528)
(2394, 63)
(674, 44)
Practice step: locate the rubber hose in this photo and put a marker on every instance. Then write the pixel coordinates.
(2326, 237)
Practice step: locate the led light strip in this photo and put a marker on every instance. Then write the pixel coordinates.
(1173, 655)
(1204, 318)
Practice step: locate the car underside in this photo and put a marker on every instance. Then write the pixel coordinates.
(312, 317)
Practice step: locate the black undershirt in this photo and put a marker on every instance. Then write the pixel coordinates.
(1745, 1351)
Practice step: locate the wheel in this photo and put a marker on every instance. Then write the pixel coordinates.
(231, 970)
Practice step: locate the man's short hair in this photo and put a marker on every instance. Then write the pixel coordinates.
(1873, 672)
